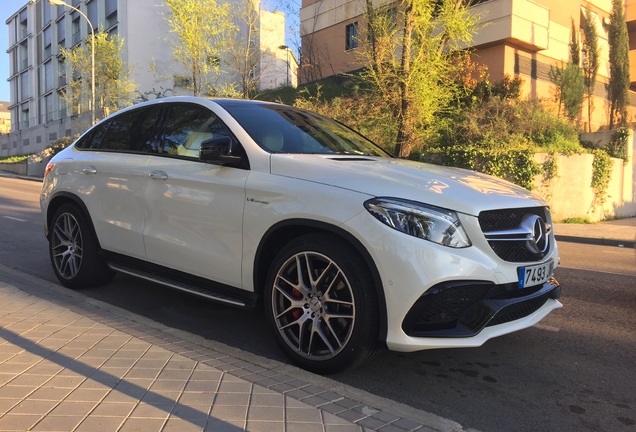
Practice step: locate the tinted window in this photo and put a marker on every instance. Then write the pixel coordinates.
(186, 127)
(93, 139)
(283, 129)
(133, 130)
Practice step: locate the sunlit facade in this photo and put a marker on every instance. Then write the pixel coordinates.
(521, 38)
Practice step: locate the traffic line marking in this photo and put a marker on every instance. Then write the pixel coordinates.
(14, 218)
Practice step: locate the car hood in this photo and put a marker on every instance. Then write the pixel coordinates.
(453, 188)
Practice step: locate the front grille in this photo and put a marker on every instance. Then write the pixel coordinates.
(508, 243)
(514, 251)
(505, 219)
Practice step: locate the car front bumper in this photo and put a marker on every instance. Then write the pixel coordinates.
(441, 297)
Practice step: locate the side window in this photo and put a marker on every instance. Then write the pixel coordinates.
(93, 139)
(121, 134)
(132, 131)
(187, 126)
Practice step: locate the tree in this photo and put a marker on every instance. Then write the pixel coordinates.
(411, 60)
(591, 62)
(556, 77)
(618, 40)
(572, 90)
(114, 89)
(569, 81)
(242, 48)
(574, 46)
(199, 27)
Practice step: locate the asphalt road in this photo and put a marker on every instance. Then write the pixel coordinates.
(575, 371)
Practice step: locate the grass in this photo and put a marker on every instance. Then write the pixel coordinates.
(576, 220)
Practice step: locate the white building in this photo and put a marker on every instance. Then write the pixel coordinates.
(38, 74)
(278, 64)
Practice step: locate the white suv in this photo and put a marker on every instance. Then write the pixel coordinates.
(348, 248)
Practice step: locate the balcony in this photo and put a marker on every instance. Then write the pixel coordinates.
(521, 22)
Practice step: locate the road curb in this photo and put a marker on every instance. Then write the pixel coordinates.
(596, 241)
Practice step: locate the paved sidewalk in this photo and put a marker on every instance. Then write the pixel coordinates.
(68, 363)
(621, 232)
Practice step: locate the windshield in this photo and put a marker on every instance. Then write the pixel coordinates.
(284, 129)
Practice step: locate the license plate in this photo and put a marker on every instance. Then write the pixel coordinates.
(535, 275)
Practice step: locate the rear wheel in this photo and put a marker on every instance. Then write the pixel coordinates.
(73, 250)
(322, 304)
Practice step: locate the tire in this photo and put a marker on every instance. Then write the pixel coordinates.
(74, 250)
(321, 303)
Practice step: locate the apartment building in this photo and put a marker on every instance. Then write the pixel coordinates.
(515, 37)
(39, 75)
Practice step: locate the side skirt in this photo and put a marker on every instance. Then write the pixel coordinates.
(182, 281)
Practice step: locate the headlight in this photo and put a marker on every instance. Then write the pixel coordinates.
(427, 222)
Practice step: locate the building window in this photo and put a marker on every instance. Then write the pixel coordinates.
(48, 107)
(46, 42)
(24, 116)
(61, 32)
(61, 104)
(47, 79)
(92, 15)
(351, 41)
(111, 13)
(14, 119)
(13, 58)
(24, 28)
(75, 28)
(24, 55)
(24, 86)
(61, 73)
(46, 12)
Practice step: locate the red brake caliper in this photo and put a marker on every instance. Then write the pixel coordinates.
(296, 312)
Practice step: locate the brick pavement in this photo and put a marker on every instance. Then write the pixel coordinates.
(68, 365)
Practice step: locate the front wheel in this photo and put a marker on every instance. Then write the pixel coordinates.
(321, 302)
(73, 250)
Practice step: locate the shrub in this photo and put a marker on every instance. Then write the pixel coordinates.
(517, 165)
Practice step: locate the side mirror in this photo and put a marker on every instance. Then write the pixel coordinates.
(218, 150)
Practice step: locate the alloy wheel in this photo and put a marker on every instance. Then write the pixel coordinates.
(313, 305)
(67, 246)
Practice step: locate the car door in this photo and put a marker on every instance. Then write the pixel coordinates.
(194, 210)
(113, 177)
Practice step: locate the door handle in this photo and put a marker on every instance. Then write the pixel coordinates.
(89, 170)
(158, 175)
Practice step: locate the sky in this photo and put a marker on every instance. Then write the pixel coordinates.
(9, 7)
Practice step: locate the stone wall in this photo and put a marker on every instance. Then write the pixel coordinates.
(19, 168)
(570, 193)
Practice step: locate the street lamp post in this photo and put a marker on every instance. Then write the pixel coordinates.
(63, 3)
